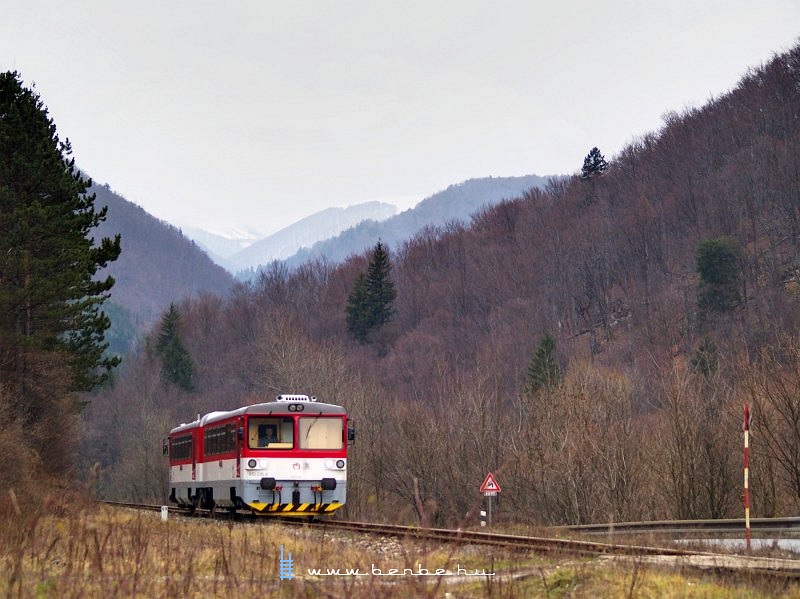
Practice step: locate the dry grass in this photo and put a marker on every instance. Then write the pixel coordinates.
(93, 551)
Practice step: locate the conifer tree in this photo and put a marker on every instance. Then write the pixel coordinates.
(380, 286)
(176, 363)
(543, 371)
(50, 297)
(593, 165)
(358, 322)
(720, 275)
(370, 304)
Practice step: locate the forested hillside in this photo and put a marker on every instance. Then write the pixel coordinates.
(667, 282)
(158, 265)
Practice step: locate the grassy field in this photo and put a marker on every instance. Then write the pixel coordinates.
(98, 551)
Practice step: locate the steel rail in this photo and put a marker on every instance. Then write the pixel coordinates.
(659, 556)
(504, 540)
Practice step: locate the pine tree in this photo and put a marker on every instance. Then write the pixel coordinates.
(358, 322)
(176, 363)
(543, 371)
(50, 297)
(593, 165)
(380, 287)
(370, 305)
(720, 275)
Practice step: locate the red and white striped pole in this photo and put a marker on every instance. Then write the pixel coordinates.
(747, 474)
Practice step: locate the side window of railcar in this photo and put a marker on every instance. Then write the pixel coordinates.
(181, 448)
(220, 439)
(271, 432)
(320, 433)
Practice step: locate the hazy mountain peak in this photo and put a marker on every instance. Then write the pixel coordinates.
(243, 254)
(456, 203)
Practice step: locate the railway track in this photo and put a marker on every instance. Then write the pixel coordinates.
(663, 556)
(507, 541)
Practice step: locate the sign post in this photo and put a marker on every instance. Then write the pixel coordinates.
(490, 488)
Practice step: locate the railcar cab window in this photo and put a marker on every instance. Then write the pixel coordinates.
(318, 432)
(270, 433)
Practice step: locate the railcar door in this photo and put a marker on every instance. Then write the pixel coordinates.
(195, 449)
(239, 444)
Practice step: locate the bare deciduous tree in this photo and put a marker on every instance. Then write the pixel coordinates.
(774, 389)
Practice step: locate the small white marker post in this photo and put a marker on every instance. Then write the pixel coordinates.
(164, 513)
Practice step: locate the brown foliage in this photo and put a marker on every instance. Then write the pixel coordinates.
(773, 387)
(699, 436)
(628, 434)
(22, 478)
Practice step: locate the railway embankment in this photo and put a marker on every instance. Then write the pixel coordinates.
(100, 550)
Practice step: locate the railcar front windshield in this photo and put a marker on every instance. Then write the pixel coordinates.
(270, 432)
(321, 433)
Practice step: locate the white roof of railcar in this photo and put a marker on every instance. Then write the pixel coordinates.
(273, 407)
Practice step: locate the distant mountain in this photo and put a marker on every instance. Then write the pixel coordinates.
(221, 247)
(456, 203)
(305, 233)
(158, 265)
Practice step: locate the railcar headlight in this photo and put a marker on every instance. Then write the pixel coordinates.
(340, 463)
(329, 464)
(251, 463)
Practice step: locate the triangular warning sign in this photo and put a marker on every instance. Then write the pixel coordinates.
(490, 484)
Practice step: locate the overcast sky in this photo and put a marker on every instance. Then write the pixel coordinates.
(253, 114)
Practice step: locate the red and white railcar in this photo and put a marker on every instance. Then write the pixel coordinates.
(286, 457)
